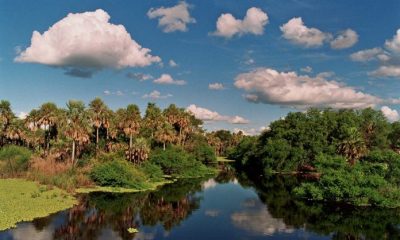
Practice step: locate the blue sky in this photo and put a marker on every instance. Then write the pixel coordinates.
(265, 68)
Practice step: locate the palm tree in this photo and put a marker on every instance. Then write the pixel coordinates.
(129, 122)
(152, 118)
(140, 151)
(183, 123)
(77, 125)
(15, 131)
(352, 147)
(47, 118)
(165, 134)
(98, 114)
(6, 116)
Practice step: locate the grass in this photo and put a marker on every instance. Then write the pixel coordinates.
(224, 159)
(152, 186)
(22, 200)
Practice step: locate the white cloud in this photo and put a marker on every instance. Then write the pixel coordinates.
(85, 42)
(209, 115)
(250, 131)
(388, 58)
(295, 31)
(387, 71)
(253, 23)
(22, 115)
(216, 86)
(366, 55)
(167, 79)
(306, 69)
(139, 76)
(265, 85)
(391, 114)
(345, 39)
(172, 63)
(173, 18)
(156, 95)
(117, 93)
(394, 43)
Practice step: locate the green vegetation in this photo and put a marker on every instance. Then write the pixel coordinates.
(95, 148)
(22, 200)
(342, 156)
(14, 160)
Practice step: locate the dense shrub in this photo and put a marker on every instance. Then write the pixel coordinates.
(361, 184)
(204, 154)
(177, 162)
(118, 173)
(15, 159)
(152, 171)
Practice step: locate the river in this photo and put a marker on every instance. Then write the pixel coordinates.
(224, 207)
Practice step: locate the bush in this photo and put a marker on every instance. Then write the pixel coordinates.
(15, 159)
(204, 154)
(361, 184)
(118, 173)
(153, 172)
(176, 162)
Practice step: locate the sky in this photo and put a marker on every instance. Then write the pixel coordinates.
(235, 64)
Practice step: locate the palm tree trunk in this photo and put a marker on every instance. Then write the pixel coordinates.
(97, 140)
(164, 146)
(130, 147)
(73, 153)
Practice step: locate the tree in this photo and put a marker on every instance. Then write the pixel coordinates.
(153, 118)
(140, 151)
(353, 146)
(47, 117)
(165, 134)
(129, 122)
(6, 116)
(77, 125)
(98, 115)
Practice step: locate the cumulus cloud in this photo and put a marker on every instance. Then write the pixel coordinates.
(172, 63)
(154, 95)
(250, 131)
(296, 32)
(167, 79)
(216, 86)
(22, 115)
(266, 85)
(306, 69)
(387, 58)
(83, 43)
(386, 71)
(209, 115)
(391, 114)
(173, 18)
(253, 23)
(367, 55)
(345, 39)
(139, 76)
(394, 43)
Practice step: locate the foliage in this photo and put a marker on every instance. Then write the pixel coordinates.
(153, 171)
(176, 162)
(361, 184)
(14, 159)
(118, 173)
(204, 154)
(22, 200)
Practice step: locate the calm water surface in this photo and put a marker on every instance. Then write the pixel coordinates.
(224, 207)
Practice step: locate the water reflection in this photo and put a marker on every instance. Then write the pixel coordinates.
(336, 221)
(229, 206)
